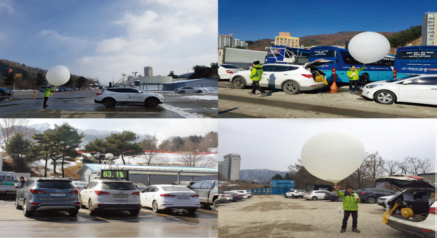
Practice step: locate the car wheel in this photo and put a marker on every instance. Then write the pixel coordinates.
(199, 91)
(73, 213)
(192, 210)
(26, 212)
(216, 203)
(293, 196)
(314, 198)
(155, 208)
(90, 208)
(291, 87)
(385, 97)
(239, 82)
(134, 212)
(109, 102)
(16, 204)
(182, 91)
(371, 200)
(151, 102)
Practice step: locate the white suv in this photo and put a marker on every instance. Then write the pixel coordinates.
(295, 193)
(415, 206)
(111, 195)
(127, 96)
(292, 79)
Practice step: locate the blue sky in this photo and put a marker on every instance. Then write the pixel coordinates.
(259, 19)
(106, 38)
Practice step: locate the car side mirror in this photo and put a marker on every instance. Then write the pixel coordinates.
(407, 82)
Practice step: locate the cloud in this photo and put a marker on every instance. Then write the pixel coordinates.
(6, 4)
(167, 35)
(58, 38)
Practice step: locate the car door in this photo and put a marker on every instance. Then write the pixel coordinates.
(152, 195)
(133, 95)
(268, 78)
(143, 196)
(421, 90)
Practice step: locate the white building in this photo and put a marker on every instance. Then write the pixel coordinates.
(428, 29)
(229, 168)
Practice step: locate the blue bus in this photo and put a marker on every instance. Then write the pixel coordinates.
(284, 54)
(380, 70)
(416, 60)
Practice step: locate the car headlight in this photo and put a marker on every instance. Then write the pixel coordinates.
(373, 85)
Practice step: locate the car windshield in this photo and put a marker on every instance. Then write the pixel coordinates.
(54, 184)
(118, 186)
(176, 189)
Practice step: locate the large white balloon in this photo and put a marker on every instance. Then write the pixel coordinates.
(369, 47)
(58, 75)
(332, 156)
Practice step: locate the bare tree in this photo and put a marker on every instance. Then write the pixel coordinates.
(391, 167)
(193, 159)
(296, 166)
(374, 165)
(424, 166)
(11, 126)
(413, 165)
(151, 147)
(404, 165)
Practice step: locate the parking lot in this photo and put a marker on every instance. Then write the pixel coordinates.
(235, 103)
(117, 224)
(277, 216)
(81, 105)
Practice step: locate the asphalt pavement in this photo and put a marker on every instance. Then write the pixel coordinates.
(81, 105)
(115, 224)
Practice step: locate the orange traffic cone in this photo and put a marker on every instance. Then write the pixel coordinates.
(75, 91)
(34, 95)
(334, 85)
(66, 91)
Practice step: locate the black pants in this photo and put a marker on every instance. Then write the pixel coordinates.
(255, 86)
(45, 101)
(354, 83)
(354, 219)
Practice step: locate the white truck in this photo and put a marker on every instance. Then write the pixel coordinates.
(240, 57)
(8, 181)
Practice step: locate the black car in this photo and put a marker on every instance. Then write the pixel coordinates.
(6, 92)
(371, 195)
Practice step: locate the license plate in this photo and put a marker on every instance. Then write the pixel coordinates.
(119, 195)
(57, 194)
(183, 197)
(120, 200)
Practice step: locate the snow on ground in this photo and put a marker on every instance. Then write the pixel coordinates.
(206, 97)
(41, 164)
(181, 112)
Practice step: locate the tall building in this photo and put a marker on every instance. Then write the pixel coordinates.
(229, 168)
(230, 41)
(148, 71)
(428, 29)
(286, 39)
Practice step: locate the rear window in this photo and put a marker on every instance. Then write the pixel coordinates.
(176, 189)
(118, 186)
(54, 184)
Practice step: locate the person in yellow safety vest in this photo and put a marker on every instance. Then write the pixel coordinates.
(350, 207)
(256, 76)
(47, 94)
(353, 74)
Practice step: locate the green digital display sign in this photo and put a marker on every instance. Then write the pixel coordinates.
(114, 174)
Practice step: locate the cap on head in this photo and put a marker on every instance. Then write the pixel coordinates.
(256, 62)
(349, 187)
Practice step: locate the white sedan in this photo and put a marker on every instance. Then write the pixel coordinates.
(413, 89)
(167, 196)
(292, 79)
(188, 90)
(226, 70)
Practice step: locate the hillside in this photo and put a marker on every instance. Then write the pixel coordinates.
(259, 175)
(411, 36)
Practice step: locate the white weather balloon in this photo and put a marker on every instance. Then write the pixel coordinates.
(58, 75)
(369, 47)
(332, 156)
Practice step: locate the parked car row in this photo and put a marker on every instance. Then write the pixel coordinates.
(293, 79)
(62, 194)
(188, 90)
(6, 92)
(233, 196)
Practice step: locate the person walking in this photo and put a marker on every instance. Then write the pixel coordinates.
(256, 75)
(353, 74)
(350, 207)
(47, 94)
